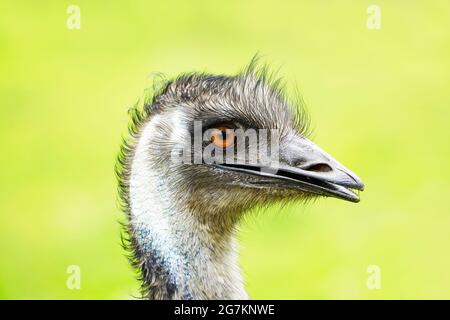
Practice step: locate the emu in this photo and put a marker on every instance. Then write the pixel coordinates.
(181, 217)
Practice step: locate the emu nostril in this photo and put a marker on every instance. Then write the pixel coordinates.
(319, 167)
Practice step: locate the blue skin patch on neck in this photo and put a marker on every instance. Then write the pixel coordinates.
(156, 262)
(168, 267)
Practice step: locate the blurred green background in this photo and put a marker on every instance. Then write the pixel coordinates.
(379, 101)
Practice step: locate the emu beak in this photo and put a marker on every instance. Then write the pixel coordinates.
(305, 166)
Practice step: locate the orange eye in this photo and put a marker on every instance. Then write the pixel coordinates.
(222, 137)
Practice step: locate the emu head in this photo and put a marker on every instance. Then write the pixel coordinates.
(200, 125)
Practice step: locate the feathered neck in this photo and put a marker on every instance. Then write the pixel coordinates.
(179, 256)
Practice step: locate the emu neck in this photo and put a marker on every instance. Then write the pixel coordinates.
(181, 257)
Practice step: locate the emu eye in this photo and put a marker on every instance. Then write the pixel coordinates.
(222, 137)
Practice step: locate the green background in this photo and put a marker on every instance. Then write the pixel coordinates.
(379, 102)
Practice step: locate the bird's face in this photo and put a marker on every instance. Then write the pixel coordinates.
(243, 145)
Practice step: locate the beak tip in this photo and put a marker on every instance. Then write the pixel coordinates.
(361, 185)
(355, 199)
